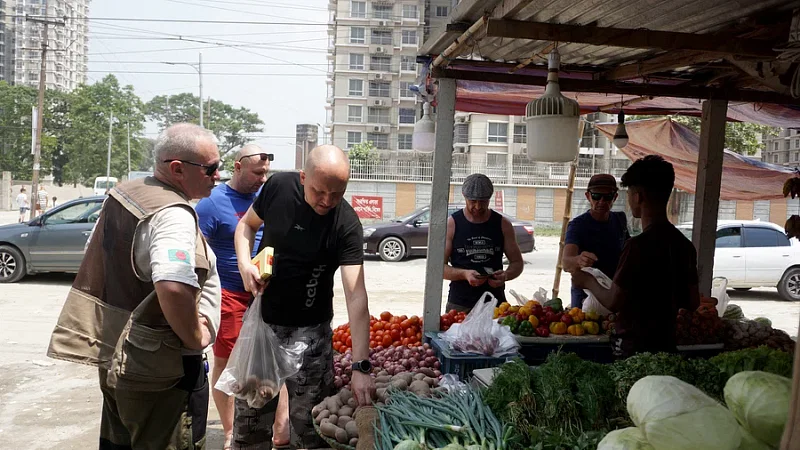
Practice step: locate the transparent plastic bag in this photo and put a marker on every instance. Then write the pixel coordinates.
(259, 363)
(480, 333)
(591, 303)
(719, 290)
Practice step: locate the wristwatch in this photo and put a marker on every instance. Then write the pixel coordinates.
(363, 366)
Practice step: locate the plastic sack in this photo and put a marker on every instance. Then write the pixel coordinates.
(259, 363)
(591, 303)
(719, 290)
(480, 333)
(540, 296)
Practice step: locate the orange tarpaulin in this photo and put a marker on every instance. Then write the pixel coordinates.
(743, 178)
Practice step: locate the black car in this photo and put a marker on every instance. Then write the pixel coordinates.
(408, 235)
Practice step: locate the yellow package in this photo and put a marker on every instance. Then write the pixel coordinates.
(264, 261)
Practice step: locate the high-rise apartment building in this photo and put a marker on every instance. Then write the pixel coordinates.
(782, 149)
(6, 42)
(306, 138)
(68, 44)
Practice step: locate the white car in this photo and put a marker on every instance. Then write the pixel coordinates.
(751, 253)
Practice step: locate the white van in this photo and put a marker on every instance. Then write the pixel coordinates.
(103, 184)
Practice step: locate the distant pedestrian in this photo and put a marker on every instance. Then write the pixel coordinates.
(54, 201)
(22, 204)
(41, 201)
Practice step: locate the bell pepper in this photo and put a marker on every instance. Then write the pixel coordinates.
(509, 321)
(577, 315)
(504, 307)
(537, 310)
(525, 312)
(496, 313)
(534, 321)
(591, 315)
(576, 330)
(591, 327)
(567, 319)
(526, 329)
(513, 309)
(558, 328)
(542, 331)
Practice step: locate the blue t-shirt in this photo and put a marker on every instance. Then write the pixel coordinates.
(604, 239)
(219, 214)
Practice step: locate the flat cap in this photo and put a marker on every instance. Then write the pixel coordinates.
(477, 187)
(603, 180)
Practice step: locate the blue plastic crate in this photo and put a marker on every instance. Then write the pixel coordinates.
(462, 364)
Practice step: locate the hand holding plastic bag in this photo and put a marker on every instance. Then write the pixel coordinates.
(259, 363)
(591, 303)
(480, 333)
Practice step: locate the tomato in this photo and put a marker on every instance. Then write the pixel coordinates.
(396, 326)
(349, 342)
(409, 332)
(396, 335)
(372, 344)
(446, 322)
(419, 336)
(405, 341)
(414, 320)
(386, 315)
(387, 341)
(405, 324)
(378, 326)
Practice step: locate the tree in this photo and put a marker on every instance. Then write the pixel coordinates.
(229, 124)
(363, 153)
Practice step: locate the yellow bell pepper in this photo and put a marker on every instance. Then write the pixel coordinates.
(496, 312)
(591, 327)
(531, 303)
(534, 321)
(525, 312)
(504, 307)
(558, 328)
(577, 315)
(576, 330)
(513, 309)
(591, 315)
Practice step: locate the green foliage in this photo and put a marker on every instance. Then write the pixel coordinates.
(363, 153)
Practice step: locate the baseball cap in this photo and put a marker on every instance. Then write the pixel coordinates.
(603, 180)
(477, 187)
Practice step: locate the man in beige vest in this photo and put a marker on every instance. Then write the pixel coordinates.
(146, 301)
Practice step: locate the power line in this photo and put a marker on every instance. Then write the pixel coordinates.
(208, 73)
(230, 10)
(142, 19)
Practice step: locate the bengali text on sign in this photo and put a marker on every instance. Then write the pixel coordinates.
(368, 207)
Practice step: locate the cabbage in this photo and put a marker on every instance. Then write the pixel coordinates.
(751, 443)
(674, 415)
(760, 402)
(624, 439)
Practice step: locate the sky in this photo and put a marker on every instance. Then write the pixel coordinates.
(275, 70)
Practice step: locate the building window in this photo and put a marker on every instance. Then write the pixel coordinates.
(797, 143)
(380, 63)
(461, 133)
(358, 10)
(408, 63)
(379, 89)
(382, 11)
(353, 138)
(407, 115)
(356, 61)
(380, 37)
(409, 37)
(377, 115)
(404, 142)
(520, 133)
(775, 159)
(380, 141)
(496, 160)
(775, 146)
(498, 132)
(354, 113)
(357, 35)
(786, 145)
(786, 157)
(442, 11)
(405, 92)
(796, 156)
(410, 12)
(356, 88)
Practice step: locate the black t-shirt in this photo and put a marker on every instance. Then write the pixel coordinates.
(309, 248)
(657, 272)
(475, 246)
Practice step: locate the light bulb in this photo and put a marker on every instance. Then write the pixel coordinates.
(621, 134)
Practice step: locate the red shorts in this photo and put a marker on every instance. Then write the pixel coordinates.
(233, 306)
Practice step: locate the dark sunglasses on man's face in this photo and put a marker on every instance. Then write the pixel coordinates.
(607, 197)
(210, 170)
(263, 156)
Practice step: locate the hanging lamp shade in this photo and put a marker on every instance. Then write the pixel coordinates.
(552, 121)
(424, 137)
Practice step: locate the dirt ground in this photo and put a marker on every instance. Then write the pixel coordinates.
(48, 404)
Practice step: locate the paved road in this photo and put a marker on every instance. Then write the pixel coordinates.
(46, 404)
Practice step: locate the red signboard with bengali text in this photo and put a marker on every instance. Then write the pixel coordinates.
(498, 201)
(368, 207)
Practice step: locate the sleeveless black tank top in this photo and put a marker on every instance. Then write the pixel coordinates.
(475, 246)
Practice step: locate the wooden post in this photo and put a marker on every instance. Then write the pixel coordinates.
(791, 433)
(709, 180)
(567, 214)
(440, 196)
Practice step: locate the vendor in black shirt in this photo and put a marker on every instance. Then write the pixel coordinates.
(477, 237)
(314, 233)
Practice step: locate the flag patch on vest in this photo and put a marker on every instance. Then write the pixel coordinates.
(177, 255)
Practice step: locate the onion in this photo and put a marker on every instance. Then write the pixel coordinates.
(379, 348)
(437, 373)
(413, 363)
(387, 365)
(426, 346)
(338, 371)
(338, 382)
(429, 352)
(437, 365)
(381, 360)
(406, 353)
(420, 349)
(345, 379)
(404, 363)
(423, 364)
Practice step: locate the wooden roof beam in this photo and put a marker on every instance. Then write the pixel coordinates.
(660, 63)
(629, 38)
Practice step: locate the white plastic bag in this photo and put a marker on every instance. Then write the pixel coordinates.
(540, 296)
(259, 363)
(719, 290)
(591, 303)
(480, 333)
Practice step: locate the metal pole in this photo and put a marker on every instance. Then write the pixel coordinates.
(200, 74)
(39, 124)
(108, 157)
(129, 149)
(208, 116)
(594, 143)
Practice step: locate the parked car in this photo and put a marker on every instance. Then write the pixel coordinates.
(751, 253)
(52, 242)
(408, 235)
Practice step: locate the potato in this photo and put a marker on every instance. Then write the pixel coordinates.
(381, 394)
(333, 404)
(333, 418)
(383, 379)
(318, 409)
(383, 373)
(427, 371)
(323, 415)
(341, 436)
(419, 376)
(345, 395)
(381, 385)
(352, 403)
(408, 377)
(400, 384)
(346, 411)
(420, 388)
(343, 420)
(353, 442)
(328, 429)
(430, 381)
(352, 429)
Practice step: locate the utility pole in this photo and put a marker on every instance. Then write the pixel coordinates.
(108, 160)
(208, 116)
(129, 149)
(37, 153)
(200, 73)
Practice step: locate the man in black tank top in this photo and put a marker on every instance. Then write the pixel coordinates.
(477, 238)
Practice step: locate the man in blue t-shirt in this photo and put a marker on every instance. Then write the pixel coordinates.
(596, 237)
(219, 215)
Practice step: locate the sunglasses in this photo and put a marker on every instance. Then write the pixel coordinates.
(607, 197)
(263, 156)
(210, 170)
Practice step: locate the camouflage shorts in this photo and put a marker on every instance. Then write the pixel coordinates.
(252, 428)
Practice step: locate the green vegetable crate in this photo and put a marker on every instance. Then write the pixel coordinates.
(461, 364)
